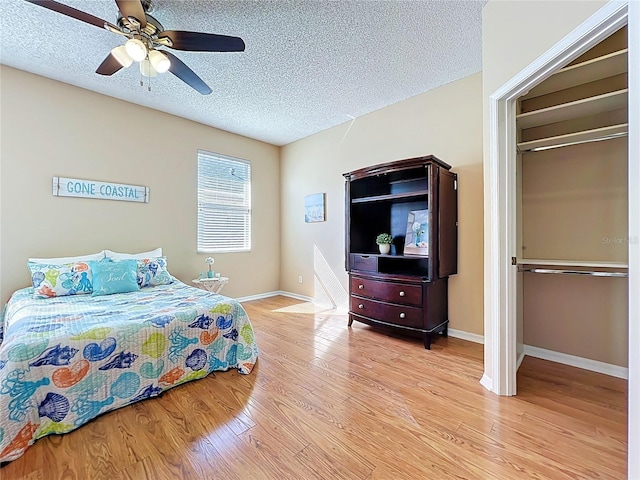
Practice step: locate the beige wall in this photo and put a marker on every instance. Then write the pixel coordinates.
(445, 122)
(512, 36)
(50, 129)
(575, 203)
(578, 315)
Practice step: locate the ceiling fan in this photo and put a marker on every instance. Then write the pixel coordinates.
(144, 35)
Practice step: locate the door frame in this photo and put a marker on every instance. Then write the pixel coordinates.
(500, 296)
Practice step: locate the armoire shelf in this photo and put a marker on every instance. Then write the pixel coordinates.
(391, 196)
(598, 68)
(571, 110)
(592, 135)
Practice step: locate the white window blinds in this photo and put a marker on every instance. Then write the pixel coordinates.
(224, 203)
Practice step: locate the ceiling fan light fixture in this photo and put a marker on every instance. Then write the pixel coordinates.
(159, 61)
(147, 70)
(121, 55)
(136, 49)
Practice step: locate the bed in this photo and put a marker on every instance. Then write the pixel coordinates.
(67, 359)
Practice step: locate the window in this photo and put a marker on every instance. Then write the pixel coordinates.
(224, 203)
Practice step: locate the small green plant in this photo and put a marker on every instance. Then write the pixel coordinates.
(384, 239)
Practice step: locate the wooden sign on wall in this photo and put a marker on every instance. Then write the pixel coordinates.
(73, 187)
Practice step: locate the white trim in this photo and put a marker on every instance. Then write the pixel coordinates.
(304, 298)
(500, 298)
(520, 359)
(634, 246)
(580, 362)
(257, 296)
(260, 296)
(486, 382)
(471, 337)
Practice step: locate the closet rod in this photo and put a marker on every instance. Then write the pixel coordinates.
(594, 273)
(577, 142)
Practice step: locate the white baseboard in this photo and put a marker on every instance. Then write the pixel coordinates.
(585, 363)
(273, 294)
(471, 337)
(304, 298)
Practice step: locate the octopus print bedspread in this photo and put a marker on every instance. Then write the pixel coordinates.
(66, 360)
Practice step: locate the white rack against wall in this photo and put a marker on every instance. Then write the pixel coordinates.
(591, 70)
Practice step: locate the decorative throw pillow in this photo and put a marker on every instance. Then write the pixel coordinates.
(114, 277)
(136, 256)
(153, 271)
(58, 280)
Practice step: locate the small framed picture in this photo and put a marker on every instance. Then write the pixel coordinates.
(314, 208)
(417, 237)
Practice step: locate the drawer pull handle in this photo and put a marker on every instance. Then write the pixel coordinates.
(402, 315)
(402, 293)
(361, 306)
(361, 287)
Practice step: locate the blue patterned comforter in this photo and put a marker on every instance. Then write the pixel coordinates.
(66, 360)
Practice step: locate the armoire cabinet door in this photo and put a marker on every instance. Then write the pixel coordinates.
(448, 224)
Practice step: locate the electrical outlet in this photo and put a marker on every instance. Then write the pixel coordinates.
(299, 278)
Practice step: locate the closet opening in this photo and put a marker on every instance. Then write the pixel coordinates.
(572, 232)
(504, 259)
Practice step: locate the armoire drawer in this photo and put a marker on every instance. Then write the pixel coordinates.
(387, 291)
(393, 314)
(366, 263)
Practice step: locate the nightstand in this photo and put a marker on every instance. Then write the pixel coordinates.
(213, 285)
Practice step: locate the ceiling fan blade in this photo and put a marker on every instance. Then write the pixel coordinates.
(203, 42)
(70, 12)
(132, 8)
(188, 76)
(109, 66)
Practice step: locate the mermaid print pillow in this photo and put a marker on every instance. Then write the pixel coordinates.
(153, 271)
(51, 280)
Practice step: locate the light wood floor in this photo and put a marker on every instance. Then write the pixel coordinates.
(330, 402)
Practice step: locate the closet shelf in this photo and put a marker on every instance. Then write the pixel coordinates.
(592, 70)
(574, 267)
(558, 271)
(579, 108)
(571, 263)
(585, 136)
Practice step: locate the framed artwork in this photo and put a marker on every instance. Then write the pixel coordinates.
(314, 208)
(417, 237)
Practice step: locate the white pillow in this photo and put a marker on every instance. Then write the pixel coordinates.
(133, 256)
(63, 260)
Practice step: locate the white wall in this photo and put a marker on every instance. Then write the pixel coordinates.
(53, 129)
(445, 122)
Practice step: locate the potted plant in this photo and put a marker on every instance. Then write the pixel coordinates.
(209, 261)
(384, 241)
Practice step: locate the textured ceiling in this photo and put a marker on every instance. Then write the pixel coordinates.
(308, 65)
